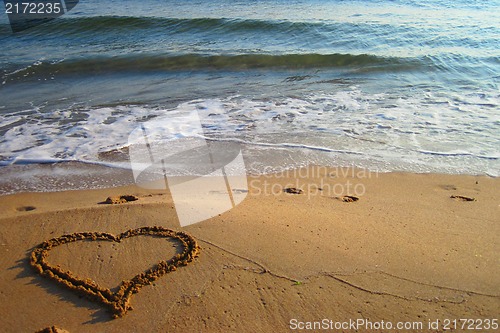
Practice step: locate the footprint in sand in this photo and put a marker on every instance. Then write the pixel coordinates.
(293, 190)
(462, 198)
(25, 208)
(348, 198)
(120, 199)
(448, 187)
(53, 329)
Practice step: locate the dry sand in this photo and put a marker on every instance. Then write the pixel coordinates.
(405, 251)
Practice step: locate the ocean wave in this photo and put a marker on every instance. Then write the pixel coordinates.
(74, 26)
(421, 132)
(107, 44)
(190, 62)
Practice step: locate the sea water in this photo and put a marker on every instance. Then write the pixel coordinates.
(392, 85)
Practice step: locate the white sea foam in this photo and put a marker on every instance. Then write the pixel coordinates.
(428, 133)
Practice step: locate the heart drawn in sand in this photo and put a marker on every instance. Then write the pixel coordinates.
(118, 302)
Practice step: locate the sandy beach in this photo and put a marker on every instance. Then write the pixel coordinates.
(142, 154)
(401, 249)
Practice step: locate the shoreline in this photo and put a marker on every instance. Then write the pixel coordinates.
(83, 176)
(404, 251)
